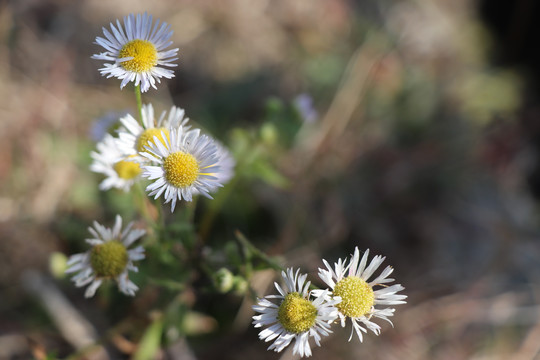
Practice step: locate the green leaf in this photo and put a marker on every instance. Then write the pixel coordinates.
(267, 173)
(150, 342)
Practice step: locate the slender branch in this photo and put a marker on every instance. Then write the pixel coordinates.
(255, 251)
(139, 101)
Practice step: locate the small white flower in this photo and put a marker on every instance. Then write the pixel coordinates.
(132, 137)
(109, 258)
(121, 170)
(187, 164)
(295, 316)
(137, 51)
(358, 298)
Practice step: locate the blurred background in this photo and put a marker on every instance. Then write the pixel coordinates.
(411, 128)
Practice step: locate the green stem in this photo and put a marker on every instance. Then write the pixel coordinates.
(139, 101)
(253, 250)
(143, 203)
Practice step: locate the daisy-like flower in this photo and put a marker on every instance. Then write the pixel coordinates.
(137, 51)
(187, 164)
(295, 316)
(109, 258)
(358, 297)
(121, 170)
(133, 137)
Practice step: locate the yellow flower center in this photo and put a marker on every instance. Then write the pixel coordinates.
(144, 55)
(147, 137)
(296, 314)
(126, 169)
(181, 169)
(357, 296)
(109, 259)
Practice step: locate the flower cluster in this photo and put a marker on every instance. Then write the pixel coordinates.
(178, 160)
(300, 314)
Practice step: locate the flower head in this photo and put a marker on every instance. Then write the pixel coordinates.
(295, 316)
(137, 51)
(358, 296)
(133, 137)
(109, 258)
(121, 170)
(187, 164)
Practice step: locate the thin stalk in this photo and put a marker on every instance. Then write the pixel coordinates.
(145, 207)
(139, 101)
(253, 250)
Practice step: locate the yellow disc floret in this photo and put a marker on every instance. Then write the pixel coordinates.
(109, 259)
(296, 314)
(147, 137)
(181, 169)
(126, 169)
(144, 55)
(357, 296)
